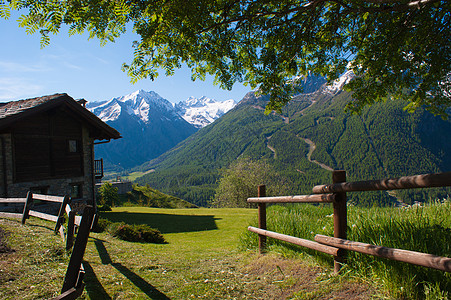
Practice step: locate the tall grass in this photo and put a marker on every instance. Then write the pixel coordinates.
(418, 228)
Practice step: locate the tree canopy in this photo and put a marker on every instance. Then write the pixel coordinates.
(395, 48)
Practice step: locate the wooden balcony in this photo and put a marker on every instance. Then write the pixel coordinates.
(98, 168)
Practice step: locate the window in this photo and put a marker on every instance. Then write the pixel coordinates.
(76, 191)
(73, 146)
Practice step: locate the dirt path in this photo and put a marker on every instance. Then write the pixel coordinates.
(271, 148)
(312, 147)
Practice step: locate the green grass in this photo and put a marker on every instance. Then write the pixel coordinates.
(424, 229)
(132, 176)
(36, 268)
(201, 260)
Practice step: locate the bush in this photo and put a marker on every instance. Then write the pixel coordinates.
(108, 194)
(130, 233)
(136, 233)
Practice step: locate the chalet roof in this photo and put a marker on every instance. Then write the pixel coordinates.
(11, 112)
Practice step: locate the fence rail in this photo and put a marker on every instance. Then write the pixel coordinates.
(328, 198)
(73, 282)
(407, 182)
(411, 257)
(297, 241)
(12, 201)
(338, 244)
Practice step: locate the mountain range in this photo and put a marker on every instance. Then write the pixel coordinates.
(151, 125)
(313, 135)
(204, 111)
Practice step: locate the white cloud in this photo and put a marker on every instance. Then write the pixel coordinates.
(14, 67)
(17, 88)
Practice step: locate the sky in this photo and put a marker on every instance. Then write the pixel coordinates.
(84, 69)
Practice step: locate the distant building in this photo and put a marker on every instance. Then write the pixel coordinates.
(47, 147)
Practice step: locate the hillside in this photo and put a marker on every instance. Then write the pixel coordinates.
(146, 196)
(312, 136)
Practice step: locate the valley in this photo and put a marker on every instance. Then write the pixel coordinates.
(310, 137)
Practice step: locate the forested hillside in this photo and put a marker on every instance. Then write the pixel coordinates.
(312, 136)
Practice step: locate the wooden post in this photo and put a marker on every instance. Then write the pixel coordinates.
(70, 230)
(61, 212)
(26, 208)
(340, 218)
(262, 219)
(73, 269)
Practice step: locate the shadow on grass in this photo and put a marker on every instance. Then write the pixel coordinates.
(165, 223)
(93, 286)
(138, 281)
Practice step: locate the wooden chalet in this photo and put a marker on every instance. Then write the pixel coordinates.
(47, 147)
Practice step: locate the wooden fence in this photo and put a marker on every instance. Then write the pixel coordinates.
(73, 282)
(336, 193)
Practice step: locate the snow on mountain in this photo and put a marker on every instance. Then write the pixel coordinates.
(198, 112)
(148, 124)
(203, 111)
(338, 84)
(139, 103)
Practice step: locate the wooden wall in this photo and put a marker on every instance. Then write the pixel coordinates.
(41, 147)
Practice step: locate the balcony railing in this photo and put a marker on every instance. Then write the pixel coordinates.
(98, 168)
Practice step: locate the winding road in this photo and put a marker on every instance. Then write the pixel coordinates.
(312, 147)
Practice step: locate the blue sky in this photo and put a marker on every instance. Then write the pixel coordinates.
(83, 69)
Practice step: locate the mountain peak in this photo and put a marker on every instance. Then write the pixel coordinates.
(339, 83)
(202, 111)
(139, 103)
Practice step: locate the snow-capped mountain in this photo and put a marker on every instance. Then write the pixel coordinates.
(204, 111)
(141, 104)
(148, 123)
(338, 84)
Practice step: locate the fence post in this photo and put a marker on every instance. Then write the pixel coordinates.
(340, 218)
(73, 269)
(70, 230)
(66, 200)
(262, 218)
(26, 208)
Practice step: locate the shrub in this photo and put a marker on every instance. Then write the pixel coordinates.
(108, 194)
(136, 233)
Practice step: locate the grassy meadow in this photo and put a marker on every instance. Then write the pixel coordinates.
(209, 254)
(202, 259)
(424, 229)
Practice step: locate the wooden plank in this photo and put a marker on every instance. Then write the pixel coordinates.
(26, 207)
(61, 231)
(78, 220)
(411, 257)
(70, 230)
(328, 198)
(262, 219)
(407, 182)
(44, 216)
(340, 218)
(13, 200)
(297, 241)
(10, 215)
(73, 269)
(58, 199)
(68, 209)
(71, 294)
(66, 201)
